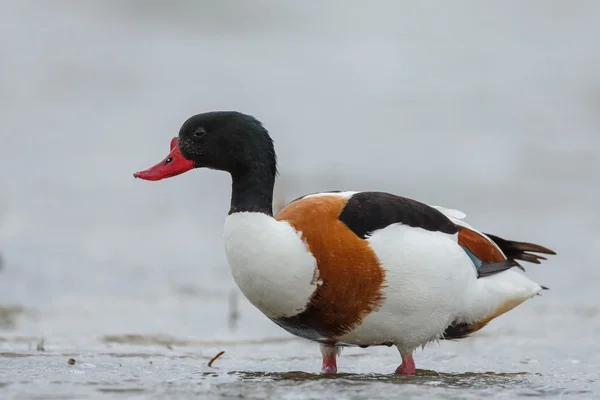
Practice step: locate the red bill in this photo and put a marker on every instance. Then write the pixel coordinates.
(175, 164)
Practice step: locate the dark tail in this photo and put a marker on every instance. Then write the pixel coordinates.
(521, 250)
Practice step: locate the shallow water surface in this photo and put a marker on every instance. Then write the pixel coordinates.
(500, 364)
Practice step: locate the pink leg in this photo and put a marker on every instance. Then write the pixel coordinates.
(408, 365)
(329, 359)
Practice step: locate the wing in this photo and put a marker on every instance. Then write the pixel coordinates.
(492, 254)
(367, 212)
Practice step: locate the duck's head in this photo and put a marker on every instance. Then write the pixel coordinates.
(223, 140)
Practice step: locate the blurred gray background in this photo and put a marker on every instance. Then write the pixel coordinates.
(491, 108)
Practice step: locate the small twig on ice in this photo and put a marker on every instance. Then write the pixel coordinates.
(219, 354)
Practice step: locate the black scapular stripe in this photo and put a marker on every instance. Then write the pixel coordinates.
(367, 212)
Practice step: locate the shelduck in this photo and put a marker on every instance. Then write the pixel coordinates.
(345, 268)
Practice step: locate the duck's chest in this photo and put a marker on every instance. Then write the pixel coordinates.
(315, 279)
(270, 263)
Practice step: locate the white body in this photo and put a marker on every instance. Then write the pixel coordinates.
(430, 280)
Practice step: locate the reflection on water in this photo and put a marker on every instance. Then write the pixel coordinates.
(121, 390)
(422, 377)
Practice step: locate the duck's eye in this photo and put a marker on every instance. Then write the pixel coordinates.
(199, 133)
(168, 160)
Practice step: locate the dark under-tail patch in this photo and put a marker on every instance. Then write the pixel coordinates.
(366, 212)
(461, 330)
(521, 250)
